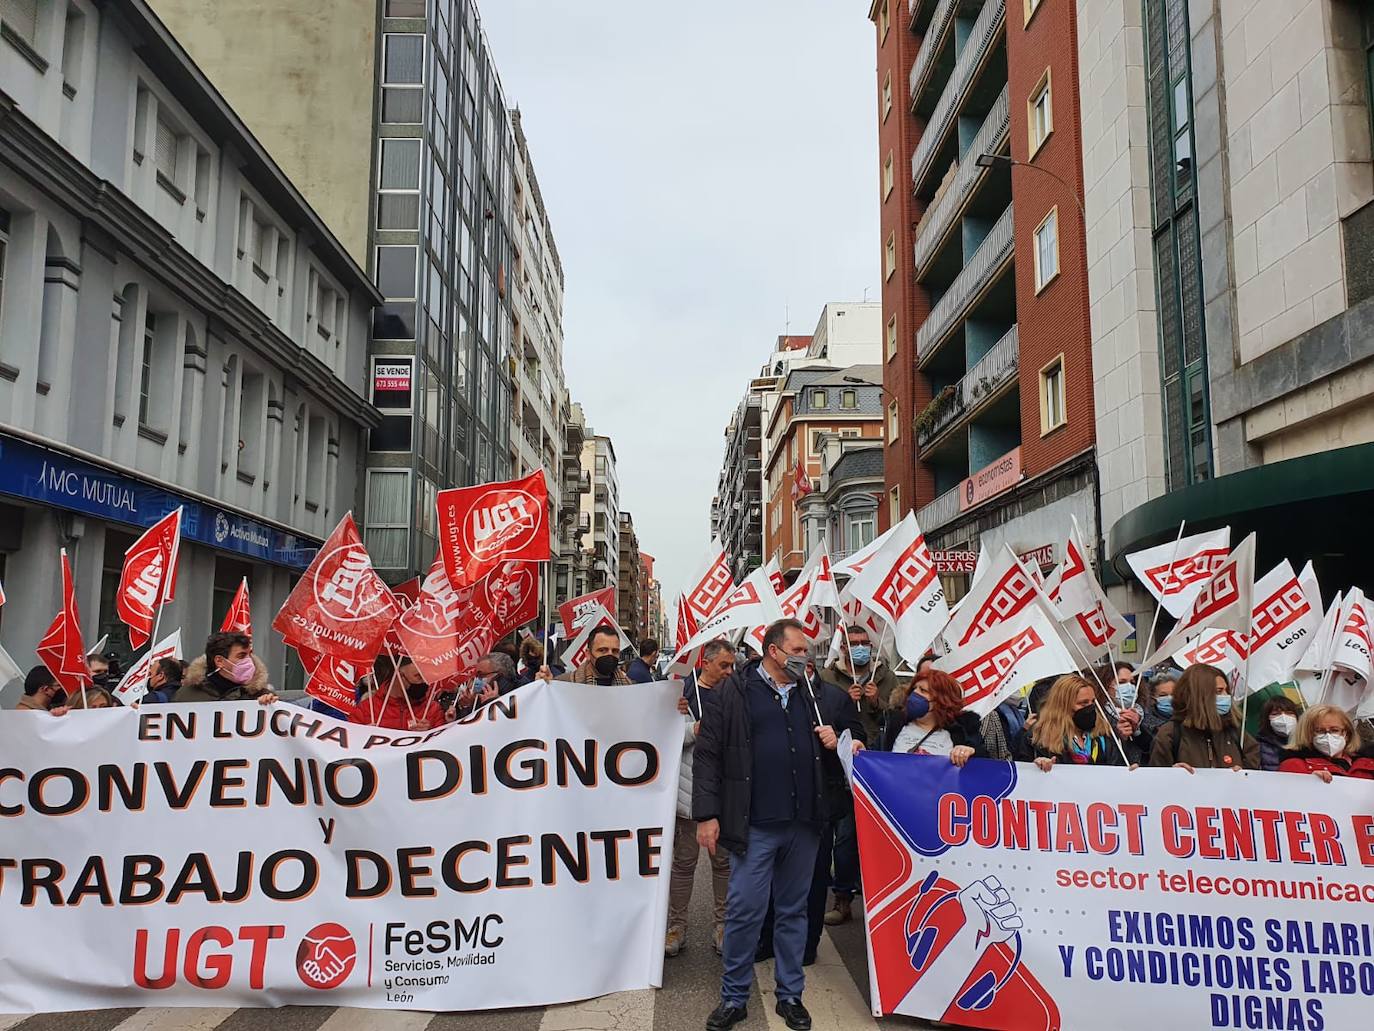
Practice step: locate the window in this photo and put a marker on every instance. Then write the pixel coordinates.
(165, 144)
(894, 505)
(398, 183)
(890, 256)
(819, 399)
(1052, 414)
(405, 8)
(1183, 140)
(893, 425)
(817, 442)
(4, 247)
(388, 520)
(887, 95)
(73, 36)
(888, 177)
(1047, 250)
(861, 531)
(1040, 114)
(849, 399)
(403, 97)
(884, 20)
(145, 378)
(891, 338)
(21, 18)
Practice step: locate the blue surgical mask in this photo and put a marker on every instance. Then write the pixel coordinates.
(862, 654)
(1223, 704)
(479, 684)
(1165, 705)
(917, 706)
(1126, 695)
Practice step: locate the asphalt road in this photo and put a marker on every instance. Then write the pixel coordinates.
(836, 995)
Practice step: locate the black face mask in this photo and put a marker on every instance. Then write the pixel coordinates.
(1086, 718)
(100, 679)
(606, 666)
(417, 692)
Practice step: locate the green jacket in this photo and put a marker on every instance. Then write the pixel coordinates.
(871, 710)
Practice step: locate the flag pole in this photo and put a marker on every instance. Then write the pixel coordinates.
(395, 673)
(1150, 640)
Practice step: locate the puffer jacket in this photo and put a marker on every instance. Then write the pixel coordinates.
(198, 686)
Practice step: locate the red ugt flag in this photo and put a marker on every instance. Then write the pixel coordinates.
(340, 607)
(149, 577)
(482, 526)
(61, 649)
(238, 620)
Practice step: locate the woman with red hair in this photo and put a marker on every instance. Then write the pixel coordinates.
(936, 723)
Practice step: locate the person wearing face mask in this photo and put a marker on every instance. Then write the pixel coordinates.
(41, 691)
(870, 684)
(1204, 733)
(1278, 721)
(1072, 727)
(760, 791)
(401, 701)
(936, 723)
(227, 672)
(603, 662)
(1326, 745)
(1157, 701)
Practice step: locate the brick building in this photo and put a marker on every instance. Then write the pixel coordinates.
(990, 425)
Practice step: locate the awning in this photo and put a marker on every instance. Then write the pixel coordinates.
(1318, 507)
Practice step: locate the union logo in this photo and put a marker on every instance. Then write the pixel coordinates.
(326, 956)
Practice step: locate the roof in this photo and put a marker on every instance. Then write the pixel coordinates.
(869, 375)
(859, 463)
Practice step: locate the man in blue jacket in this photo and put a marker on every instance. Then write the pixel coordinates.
(644, 669)
(759, 791)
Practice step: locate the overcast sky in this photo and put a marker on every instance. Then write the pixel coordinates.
(710, 168)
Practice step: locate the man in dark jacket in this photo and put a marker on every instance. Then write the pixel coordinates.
(643, 669)
(759, 791)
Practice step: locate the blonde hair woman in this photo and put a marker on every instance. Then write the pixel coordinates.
(1071, 727)
(1326, 745)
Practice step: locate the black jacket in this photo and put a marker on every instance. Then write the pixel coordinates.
(723, 759)
(965, 730)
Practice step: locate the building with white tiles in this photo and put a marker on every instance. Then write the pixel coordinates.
(178, 327)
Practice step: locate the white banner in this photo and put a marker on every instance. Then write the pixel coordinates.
(998, 896)
(246, 855)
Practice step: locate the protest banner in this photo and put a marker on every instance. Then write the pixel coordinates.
(998, 896)
(248, 855)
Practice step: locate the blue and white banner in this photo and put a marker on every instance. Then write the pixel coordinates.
(999, 896)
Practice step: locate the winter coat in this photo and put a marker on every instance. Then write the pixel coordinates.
(1273, 750)
(1004, 732)
(394, 713)
(1309, 760)
(198, 686)
(689, 740)
(1175, 743)
(586, 674)
(873, 711)
(30, 703)
(723, 760)
(965, 730)
(639, 672)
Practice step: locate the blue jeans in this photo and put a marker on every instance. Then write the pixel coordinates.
(779, 862)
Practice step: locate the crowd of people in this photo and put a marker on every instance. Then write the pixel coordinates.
(762, 789)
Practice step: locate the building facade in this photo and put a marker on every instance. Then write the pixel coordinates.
(601, 508)
(572, 568)
(630, 582)
(815, 404)
(1002, 400)
(652, 619)
(178, 327)
(842, 510)
(1233, 238)
(738, 506)
(439, 230)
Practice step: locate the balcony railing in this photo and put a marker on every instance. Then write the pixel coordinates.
(988, 375)
(970, 59)
(994, 252)
(942, 510)
(931, 43)
(935, 223)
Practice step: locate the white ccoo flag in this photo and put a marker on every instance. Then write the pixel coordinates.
(1176, 572)
(134, 684)
(855, 563)
(752, 604)
(1015, 652)
(1087, 618)
(1282, 625)
(1005, 590)
(1224, 603)
(900, 583)
(1350, 654)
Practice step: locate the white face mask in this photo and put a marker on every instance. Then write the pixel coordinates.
(1330, 744)
(1283, 724)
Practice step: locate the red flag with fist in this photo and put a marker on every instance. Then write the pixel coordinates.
(149, 577)
(482, 526)
(340, 607)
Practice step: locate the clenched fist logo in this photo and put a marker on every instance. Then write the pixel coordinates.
(326, 956)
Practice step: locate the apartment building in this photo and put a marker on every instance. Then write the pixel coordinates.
(987, 352)
(652, 618)
(178, 327)
(601, 512)
(1229, 189)
(630, 582)
(738, 505)
(397, 128)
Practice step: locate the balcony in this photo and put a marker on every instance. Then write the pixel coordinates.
(944, 509)
(970, 60)
(979, 385)
(989, 259)
(935, 224)
(931, 42)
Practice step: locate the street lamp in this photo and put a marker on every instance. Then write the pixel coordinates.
(1007, 161)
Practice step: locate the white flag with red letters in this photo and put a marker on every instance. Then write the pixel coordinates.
(901, 584)
(1176, 572)
(752, 604)
(581, 648)
(709, 588)
(1005, 590)
(1012, 653)
(1090, 621)
(854, 564)
(1223, 604)
(1350, 654)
